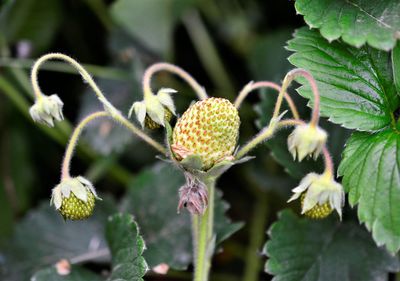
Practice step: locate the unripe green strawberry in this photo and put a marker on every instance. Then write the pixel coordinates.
(74, 208)
(74, 198)
(208, 128)
(318, 211)
(152, 125)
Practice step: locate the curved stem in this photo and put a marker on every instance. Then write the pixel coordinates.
(265, 84)
(135, 130)
(329, 167)
(286, 82)
(74, 140)
(85, 75)
(150, 71)
(114, 113)
(266, 133)
(204, 238)
(290, 122)
(78, 130)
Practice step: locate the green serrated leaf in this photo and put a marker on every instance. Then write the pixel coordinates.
(357, 22)
(126, 246)
(356, 85)
(371, 175)
(396, 67)
(153, 199)
(77, 274)
(43, 238)
(325, 250)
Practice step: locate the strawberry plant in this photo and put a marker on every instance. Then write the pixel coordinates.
(334, 165)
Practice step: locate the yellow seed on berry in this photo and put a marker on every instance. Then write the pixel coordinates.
(318, 211)
(74, 208)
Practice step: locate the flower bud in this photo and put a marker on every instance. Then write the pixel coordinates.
(154, 110)
(306, 140)
(74, 198)
(193, 196)
(47, 108)
(319, 190)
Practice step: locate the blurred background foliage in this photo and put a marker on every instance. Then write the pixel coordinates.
(223, 44)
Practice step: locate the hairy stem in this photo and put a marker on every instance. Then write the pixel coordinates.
(136, 131)
(287, 81)
(85, 75)
(105, 72)
(199, 90)
(265, 84)
(56, 134)
(329, 167)
(266, 133)
(65, 170)
(203, 240)
(114, 113)
(78, 130)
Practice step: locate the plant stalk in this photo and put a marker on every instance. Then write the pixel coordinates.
(203, 237)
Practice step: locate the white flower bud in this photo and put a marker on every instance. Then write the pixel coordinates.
(154, 108)
(318, 190)
(46, 109)
(306, 140)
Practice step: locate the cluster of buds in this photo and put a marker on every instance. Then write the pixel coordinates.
(319, 194)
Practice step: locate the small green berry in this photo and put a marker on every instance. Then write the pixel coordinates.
(73, 208)
(318, 211)
(74, 198)
(152, 125)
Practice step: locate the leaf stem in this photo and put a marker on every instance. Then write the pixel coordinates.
(290, 76)
(150, 71)
(204, 239)
(265, 84)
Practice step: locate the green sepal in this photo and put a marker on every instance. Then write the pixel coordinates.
(192, 162)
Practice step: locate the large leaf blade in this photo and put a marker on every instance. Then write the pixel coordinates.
(306, 250)
(356, 85)
(357, 22)
(371, 175)
(53, 239)
(126, 246)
